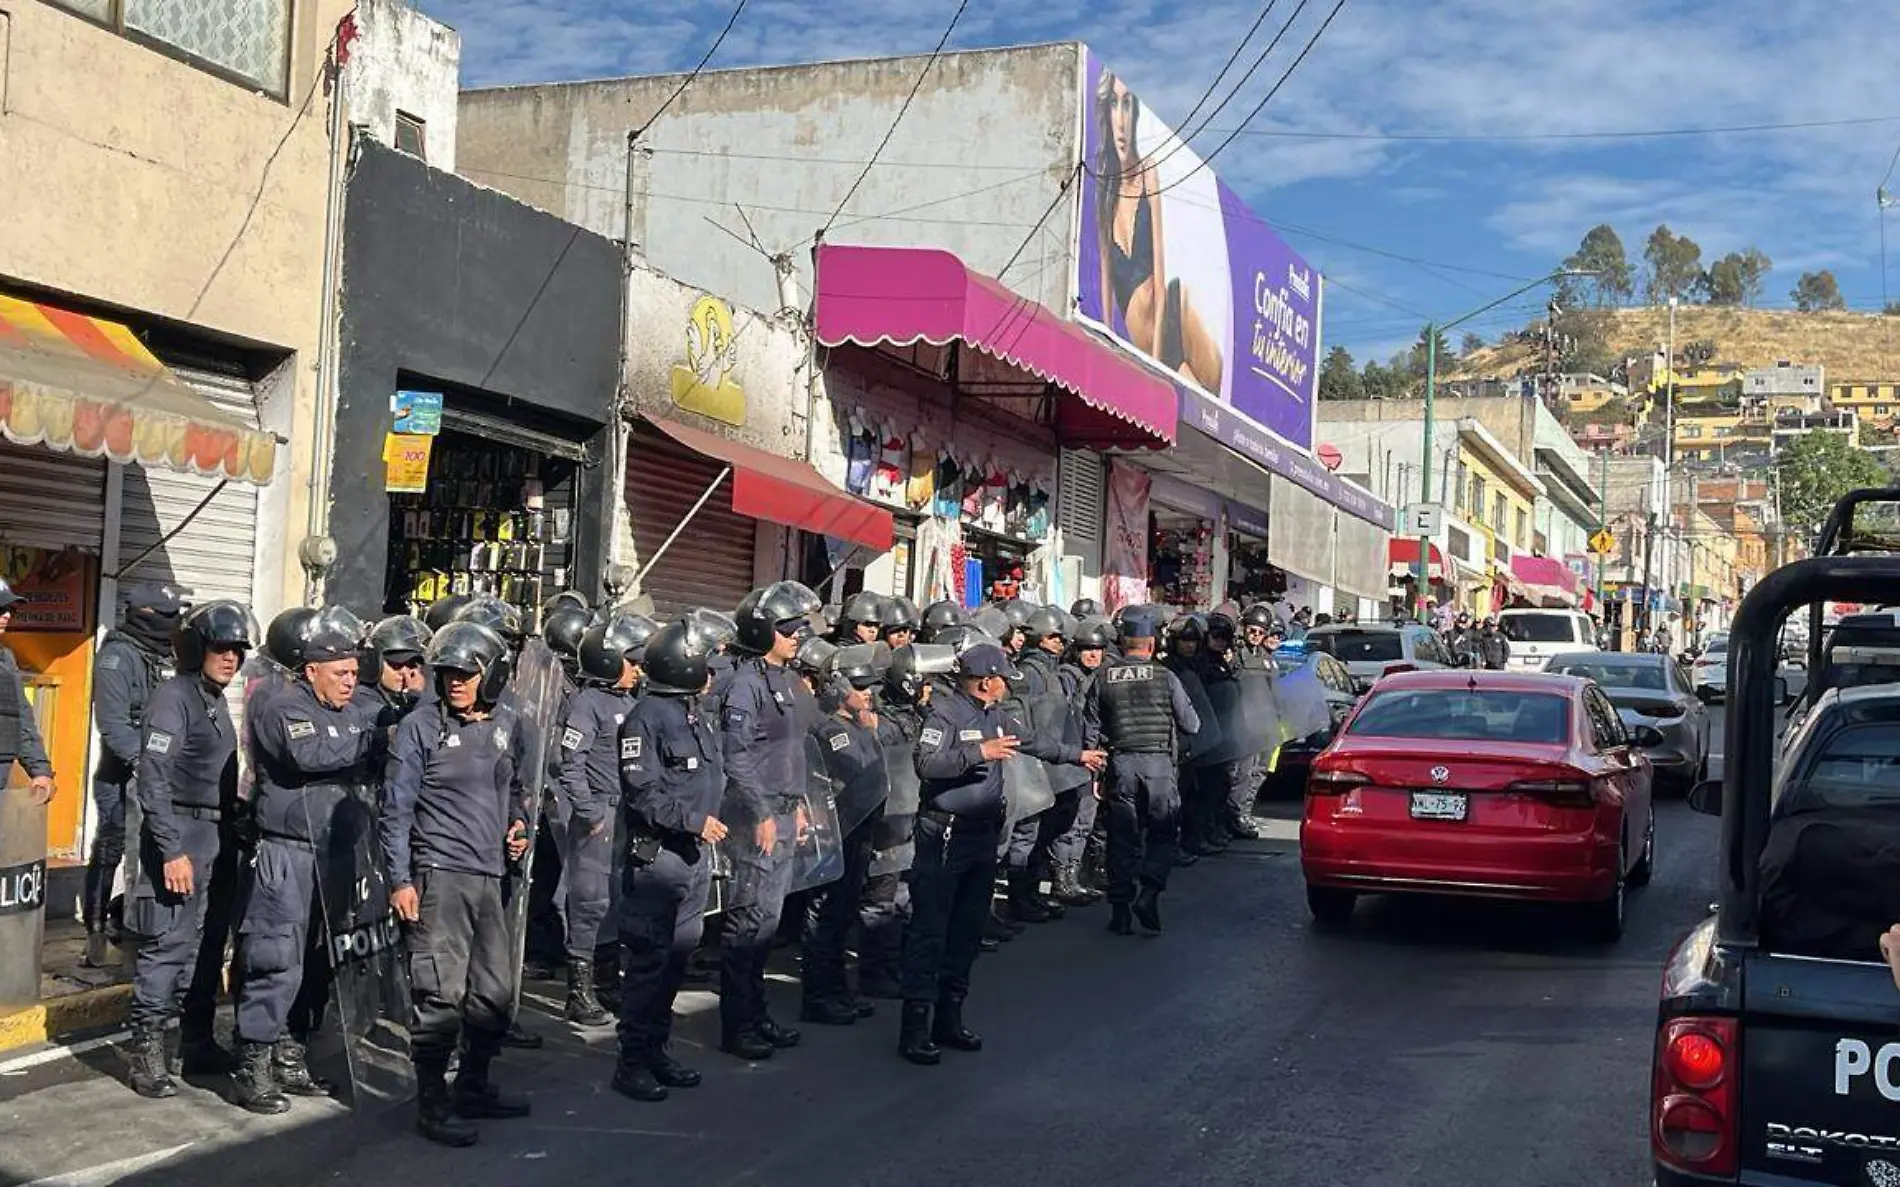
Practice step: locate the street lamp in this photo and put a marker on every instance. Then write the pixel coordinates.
(1432, 330)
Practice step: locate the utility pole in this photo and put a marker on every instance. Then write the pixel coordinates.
(1603, 516)
(1649, 555)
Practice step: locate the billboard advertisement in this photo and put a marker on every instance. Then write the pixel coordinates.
(1175, 266)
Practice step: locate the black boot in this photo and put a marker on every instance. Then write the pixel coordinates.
(1046, 902)
(1147, 907)
(913, 1036)
(997, 928)
(949, 1031)
(1243, 829)
(475, 1097)
(1069, 889)
(521, 1040)
(827, 1009)
(150, 1077)
(583, 1008)
(1023, 904)
(671, 1072)
(203, 1056)
(291, 1063)
(607, 980)
(778, 1036)
(435, 1115)
(634, 1077)
(1121, 921)
(254, 1084)
(748, 1045)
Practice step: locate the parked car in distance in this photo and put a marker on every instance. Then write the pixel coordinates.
(1536, 635)
(1490, 784)
(1293, 761)
(1370, 652)
(1709, 671)
(1649, 690)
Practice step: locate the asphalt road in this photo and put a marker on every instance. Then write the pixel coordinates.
(1428, 1045)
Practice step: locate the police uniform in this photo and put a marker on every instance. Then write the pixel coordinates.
(131, 661)
(764, 748)
(884, 904)
(672, 776)
(186, 780)
(1057, 737)
(1216, 784)
(854, 758)
(19, 730)
(1136, 709)
(1067, 847)
(591, 790)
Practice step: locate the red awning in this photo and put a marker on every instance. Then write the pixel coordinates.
(785, 491)
(903, 295)
(1401, 555)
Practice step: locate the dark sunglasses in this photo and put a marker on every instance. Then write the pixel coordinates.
(791, 628)
(413, 662)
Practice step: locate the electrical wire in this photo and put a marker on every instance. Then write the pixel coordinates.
(694, 72)
(1231, 59)
(883, 144)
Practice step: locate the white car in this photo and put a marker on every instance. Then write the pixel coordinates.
(1536, 635)
(1709, 673)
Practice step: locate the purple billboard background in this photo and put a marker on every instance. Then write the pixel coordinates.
(1258, 300)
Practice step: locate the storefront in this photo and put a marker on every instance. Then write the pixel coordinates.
(980, 419)
(476, 390)
(1251, 574)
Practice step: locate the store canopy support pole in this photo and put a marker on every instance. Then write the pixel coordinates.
(668, 542)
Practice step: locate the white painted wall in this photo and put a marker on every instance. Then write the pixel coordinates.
(403, 61)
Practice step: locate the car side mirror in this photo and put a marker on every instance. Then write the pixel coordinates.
(1646, 736)
(1706, 798)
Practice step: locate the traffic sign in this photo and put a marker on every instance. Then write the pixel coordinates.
(1603, 542)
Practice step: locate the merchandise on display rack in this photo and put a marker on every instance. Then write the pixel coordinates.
(1250, 576)
(1181, 560)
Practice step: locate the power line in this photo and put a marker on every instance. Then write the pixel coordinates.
(694, 73)
(929, 62)
(1231, 59)
(1259, 61)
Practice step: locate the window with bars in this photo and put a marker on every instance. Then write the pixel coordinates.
(248, 43)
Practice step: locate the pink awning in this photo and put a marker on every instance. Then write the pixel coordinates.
(903, 295)
(1543, 570)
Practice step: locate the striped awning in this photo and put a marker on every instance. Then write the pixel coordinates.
(86, 385)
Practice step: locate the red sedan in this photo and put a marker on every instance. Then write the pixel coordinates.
(1493, 784)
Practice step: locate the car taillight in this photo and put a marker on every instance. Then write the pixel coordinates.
(1400, 665)
(1562, 793)
(1693, 1117)
(1666, 712)
(1334, 782)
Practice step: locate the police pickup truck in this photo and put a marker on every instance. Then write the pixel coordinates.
(1777, 1057)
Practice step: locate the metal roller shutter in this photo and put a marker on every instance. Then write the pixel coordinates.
(1362, 560)
(1079, 509)
(213, 556)
(51, 500)
(1300, 539)
(710, 564)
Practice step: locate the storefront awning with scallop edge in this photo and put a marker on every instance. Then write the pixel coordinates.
(86, 385)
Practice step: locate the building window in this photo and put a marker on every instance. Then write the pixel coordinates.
(409, 136)
(1498, 507)
(1882, 409)
(248, 43)
(1523, 529)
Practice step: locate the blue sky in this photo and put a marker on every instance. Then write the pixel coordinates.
(1478, 215)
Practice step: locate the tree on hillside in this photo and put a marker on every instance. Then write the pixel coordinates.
(1584, 342)
(1601, 252)
(1736, 278)
(1674, 265)
(1816, 469)
(1699, 353)
(1415, 360)
(1816, 291)
(1381, 382)
(1339, 377)
(1470, 344)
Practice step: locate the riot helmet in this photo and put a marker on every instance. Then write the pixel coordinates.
(939, 615)
(1093, 634)
(223, 623)
(442, 611)
(814, 655)
(283, 642)
(1048, 623)
(1016, 611)
(900, 614)
(1189, 627)
(675, 663)
(1221, 629)
(961, 638)
(572, 599)
(605, 647)
(490, 611)
(334, 632)
(991, 621)
(1086, 608)
(1259, 614)
(474, 649)
(720, 628)
(563, 627)
(397, 637)
(863, 608)
(861, 665)
(912, 666)
(765, 610)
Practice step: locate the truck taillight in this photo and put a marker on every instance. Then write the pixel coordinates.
(1693, 1107)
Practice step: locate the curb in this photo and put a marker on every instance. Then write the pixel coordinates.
(90, 1009)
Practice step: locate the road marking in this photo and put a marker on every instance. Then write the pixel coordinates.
(111, 1172)
(1272, 829)
(21, 1063)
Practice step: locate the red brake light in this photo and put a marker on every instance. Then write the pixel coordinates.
(1563, 793)
(1693, 1120)
(1325, 781)
(1399, 665)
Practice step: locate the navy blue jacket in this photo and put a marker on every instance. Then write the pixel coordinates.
(672, 773)
(189, 759)
(451, 793)
(590, 754)
(308, 756)
(950, 761)
(763, 737)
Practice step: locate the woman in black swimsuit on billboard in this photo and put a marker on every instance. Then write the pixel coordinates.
(1159, 312)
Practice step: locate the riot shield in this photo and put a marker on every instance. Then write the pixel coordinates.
(1302, 702)
(1226, 702)
(1026, 790)
(535, 698)
(1259, 712)
(1210, 737)
(892, 848)
(818, 842)
(859, 782)
(894, 860)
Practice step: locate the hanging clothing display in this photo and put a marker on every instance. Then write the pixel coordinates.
(1125, 565)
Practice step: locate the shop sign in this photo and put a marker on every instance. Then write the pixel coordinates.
(1250, 441)
(417, 414)
(1248, 521)
(1184, 497)
(406, 463)
(1204, 287)
(704, 384)
(22, 888)
(54, 584)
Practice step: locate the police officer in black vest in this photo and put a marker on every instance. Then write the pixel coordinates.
(672, 777)
(312, 743)
(1137, 710)
(19, 730)
(848, 739)
(451, 825)
(961, 750)
(131, 661)
(610, 656)
(186, 783)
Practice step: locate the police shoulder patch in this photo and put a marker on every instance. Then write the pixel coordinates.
(159, 742)
(630, 747)
(109, 661)
(970, 736)
(841, 741)
(931, 737)
(300, 729)
(571, 738)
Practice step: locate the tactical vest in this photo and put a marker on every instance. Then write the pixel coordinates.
(1136, 707)
(12, 694)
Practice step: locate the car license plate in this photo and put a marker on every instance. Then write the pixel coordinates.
(1438, 805)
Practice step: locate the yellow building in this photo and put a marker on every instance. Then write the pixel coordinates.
(1497, 494)
(1875, 402)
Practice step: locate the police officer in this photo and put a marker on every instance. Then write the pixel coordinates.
(902, 701)
(1203, 785)
(1085, 608)
(563, 626)
(1086, 652)
(941, 616)
(854, 755)
(565, 619)
(1494, 648)
(1138, 710)
(861, 619)
(442, 611)
(451, 824)
(899, 623)
(961, 750)
(764, 746)
(672, 776)
(720, 630)
(391, 676)
(186, 781)
(132, 660)
(1071, 768)
(610, 656)
(19, 730)
(812, 665)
